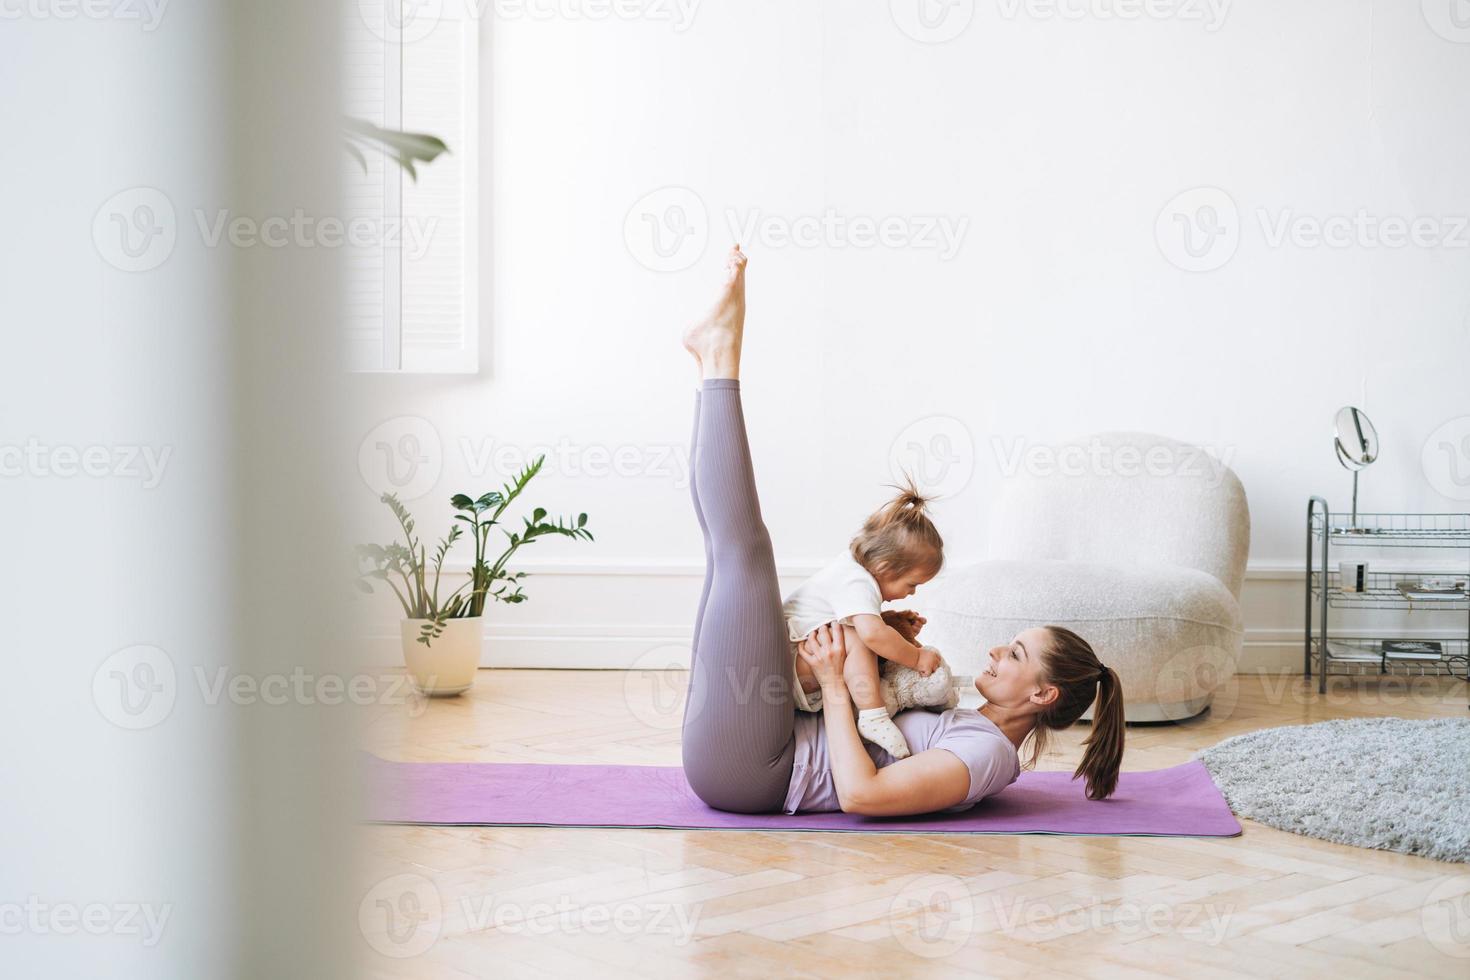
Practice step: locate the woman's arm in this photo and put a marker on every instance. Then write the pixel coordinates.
(932, 780)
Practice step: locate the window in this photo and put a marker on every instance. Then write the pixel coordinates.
(411, 270)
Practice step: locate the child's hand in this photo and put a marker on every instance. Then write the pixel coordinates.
(928, 662)
(906, 623)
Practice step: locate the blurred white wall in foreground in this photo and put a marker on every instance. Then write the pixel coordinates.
(166, 812)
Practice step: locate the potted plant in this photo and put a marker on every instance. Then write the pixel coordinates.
(442, 638)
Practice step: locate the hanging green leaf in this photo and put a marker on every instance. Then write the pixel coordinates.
(407, 149)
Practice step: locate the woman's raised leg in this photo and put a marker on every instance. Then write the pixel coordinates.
(709, 562)
(739, 715)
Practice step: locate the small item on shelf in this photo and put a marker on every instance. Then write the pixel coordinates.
(1356, 443)
(1434, 589)
(1352, 576)
(1364, 651)
(1413, 649)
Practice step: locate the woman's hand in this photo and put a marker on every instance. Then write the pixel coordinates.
(906, 623)
(825, 651)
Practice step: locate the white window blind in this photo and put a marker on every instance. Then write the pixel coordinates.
(411, 302)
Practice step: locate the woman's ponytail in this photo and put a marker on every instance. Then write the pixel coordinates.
(1104, 755)
(1071, 665)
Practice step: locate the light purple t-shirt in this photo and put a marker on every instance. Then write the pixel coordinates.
(973, 739)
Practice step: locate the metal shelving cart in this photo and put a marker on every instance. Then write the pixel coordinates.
(1447, 534)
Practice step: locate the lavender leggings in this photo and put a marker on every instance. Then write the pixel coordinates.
(739, 715)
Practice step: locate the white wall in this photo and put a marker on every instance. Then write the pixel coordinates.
(1058, 142)
(160, 473)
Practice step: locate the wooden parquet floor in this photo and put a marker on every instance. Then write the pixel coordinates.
(527, 902)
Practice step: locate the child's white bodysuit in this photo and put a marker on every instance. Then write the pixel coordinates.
(841, 590)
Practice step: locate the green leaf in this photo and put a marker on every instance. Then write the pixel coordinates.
(488, 581)
(357, 155)
(406, 148)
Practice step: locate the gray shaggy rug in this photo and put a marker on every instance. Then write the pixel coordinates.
(1393, 784)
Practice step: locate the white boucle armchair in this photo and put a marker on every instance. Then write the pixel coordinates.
(1136, 542)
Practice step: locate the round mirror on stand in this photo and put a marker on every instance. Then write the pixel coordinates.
(1356, 443)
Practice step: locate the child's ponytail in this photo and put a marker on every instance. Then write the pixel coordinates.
(899, 536)
(906, 508)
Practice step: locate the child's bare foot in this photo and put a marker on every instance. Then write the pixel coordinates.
(715, 340)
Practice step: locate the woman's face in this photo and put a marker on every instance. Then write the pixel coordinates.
(1014, 671)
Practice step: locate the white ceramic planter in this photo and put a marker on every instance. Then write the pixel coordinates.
(447, 665)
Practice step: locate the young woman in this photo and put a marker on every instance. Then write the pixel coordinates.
(745, 747)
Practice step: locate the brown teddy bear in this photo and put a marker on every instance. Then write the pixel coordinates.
(903, 687)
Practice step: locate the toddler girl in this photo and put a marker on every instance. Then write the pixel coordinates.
(897, 550)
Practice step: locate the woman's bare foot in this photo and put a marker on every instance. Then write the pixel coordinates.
(715, 340)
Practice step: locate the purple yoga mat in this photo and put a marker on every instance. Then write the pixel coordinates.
(1181, 801)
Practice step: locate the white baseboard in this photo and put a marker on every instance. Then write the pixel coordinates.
(1269, 651)
(636, 614)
